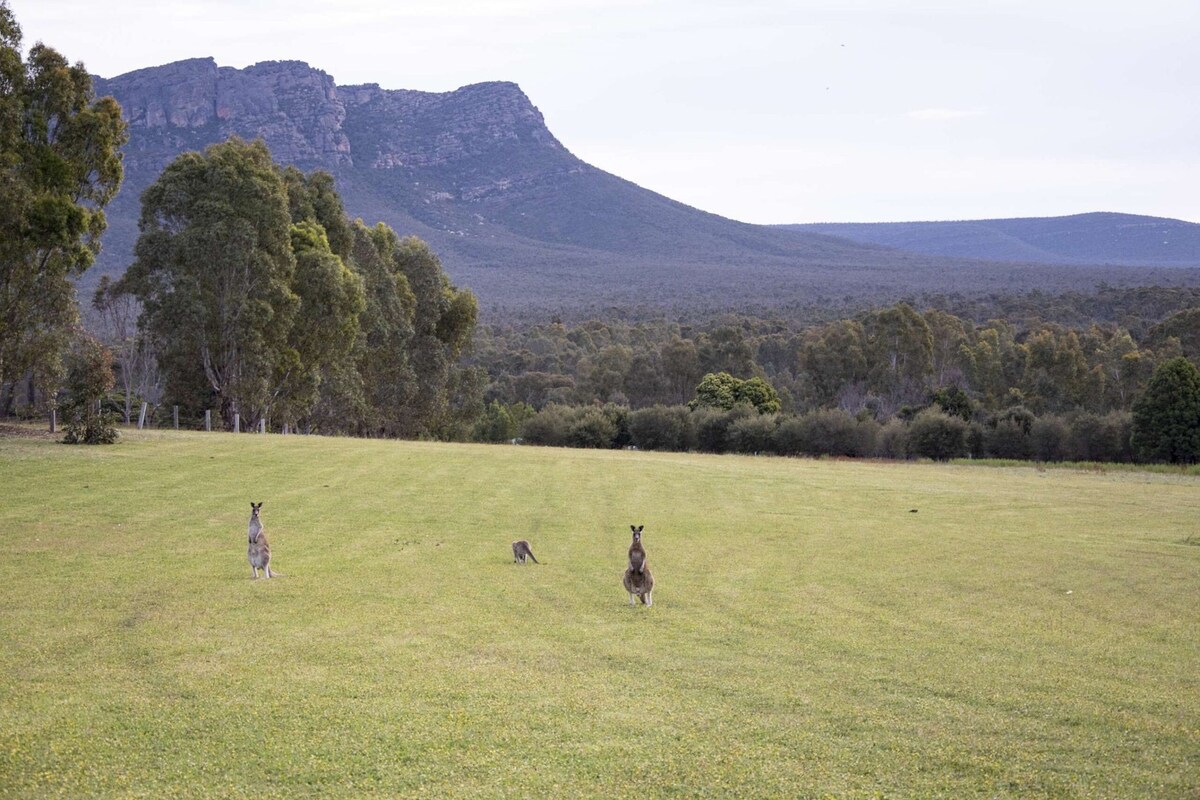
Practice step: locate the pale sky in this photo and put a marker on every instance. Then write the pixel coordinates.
(765, 111)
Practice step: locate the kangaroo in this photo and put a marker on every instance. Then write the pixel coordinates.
(637, 553)
(639, 585)
(638, 580)
(259, 552)
(521, 550)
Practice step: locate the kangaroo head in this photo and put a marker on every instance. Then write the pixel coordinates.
(637, 532)
(254, 509)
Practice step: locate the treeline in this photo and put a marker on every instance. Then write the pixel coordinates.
(930, 433)
(881, 362)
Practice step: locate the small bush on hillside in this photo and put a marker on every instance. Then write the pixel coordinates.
(1008, 438)
(618, 415)
(753, 434)
(934, 434)
(1101, 438)
(501, 422)
(549, 426)
(892, 440)
(661, 428)
(712, 426)
(1049, 439)
(592, 428)
(827, 432)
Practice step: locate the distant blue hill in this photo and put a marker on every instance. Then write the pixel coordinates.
(1097, 238)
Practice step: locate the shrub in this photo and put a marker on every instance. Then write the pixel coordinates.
(892, 440)
(618, 415)
(548, 427)
(89, 376)
(827, 432)
(1008, 438)
(934, 434)
(500, 422)
(1049, 439)
(712, 426)
(660, 428)
(592, 427)
(1101, 438)
(754, 434)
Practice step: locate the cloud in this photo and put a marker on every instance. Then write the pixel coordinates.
(941, 114)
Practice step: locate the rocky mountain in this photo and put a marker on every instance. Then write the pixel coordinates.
(1097, 238)
(514, 215)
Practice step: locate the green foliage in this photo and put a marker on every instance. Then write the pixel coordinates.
(89, 377)
(716, 390)
(661, 428)
(753, 434)
(1166, 418)
(723, 391)
(892, 440)
(934, 434)
(60, 165)
(711, 426)
(826, 432)
(1182, 326)
(215, 274)
(952, 400)
(261, 296)
(1102, 438)
(592, 428)
(502, 423)
(759, 394)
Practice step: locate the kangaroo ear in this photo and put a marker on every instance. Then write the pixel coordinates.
(639, 528)
(633, 528)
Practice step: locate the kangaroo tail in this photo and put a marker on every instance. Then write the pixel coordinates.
(534, 559)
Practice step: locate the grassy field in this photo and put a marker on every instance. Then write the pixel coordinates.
(1022, 633)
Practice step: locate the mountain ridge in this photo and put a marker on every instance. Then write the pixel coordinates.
(1095, 237)
(512, 212)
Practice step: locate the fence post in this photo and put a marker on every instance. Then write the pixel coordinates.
(54, 420)
(208, 419)
(142, 416)
(262, 424)
(175, 414)
(285, 429)
(237, 422)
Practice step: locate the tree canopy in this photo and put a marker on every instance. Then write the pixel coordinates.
(263, 299)
(60, 165)
(1166, 418)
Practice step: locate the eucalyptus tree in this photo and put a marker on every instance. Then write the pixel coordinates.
(214, 273)
(60, 165)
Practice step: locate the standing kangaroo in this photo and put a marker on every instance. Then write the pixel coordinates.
(637, 553)
(521, 550)
(638, 580)
(259, 552)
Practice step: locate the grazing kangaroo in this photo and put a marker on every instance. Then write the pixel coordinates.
(259, 552)
(522, 550)
(637, 553)
(638, 580)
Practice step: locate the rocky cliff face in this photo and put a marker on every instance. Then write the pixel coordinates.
(176, 107)
(307, 120)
